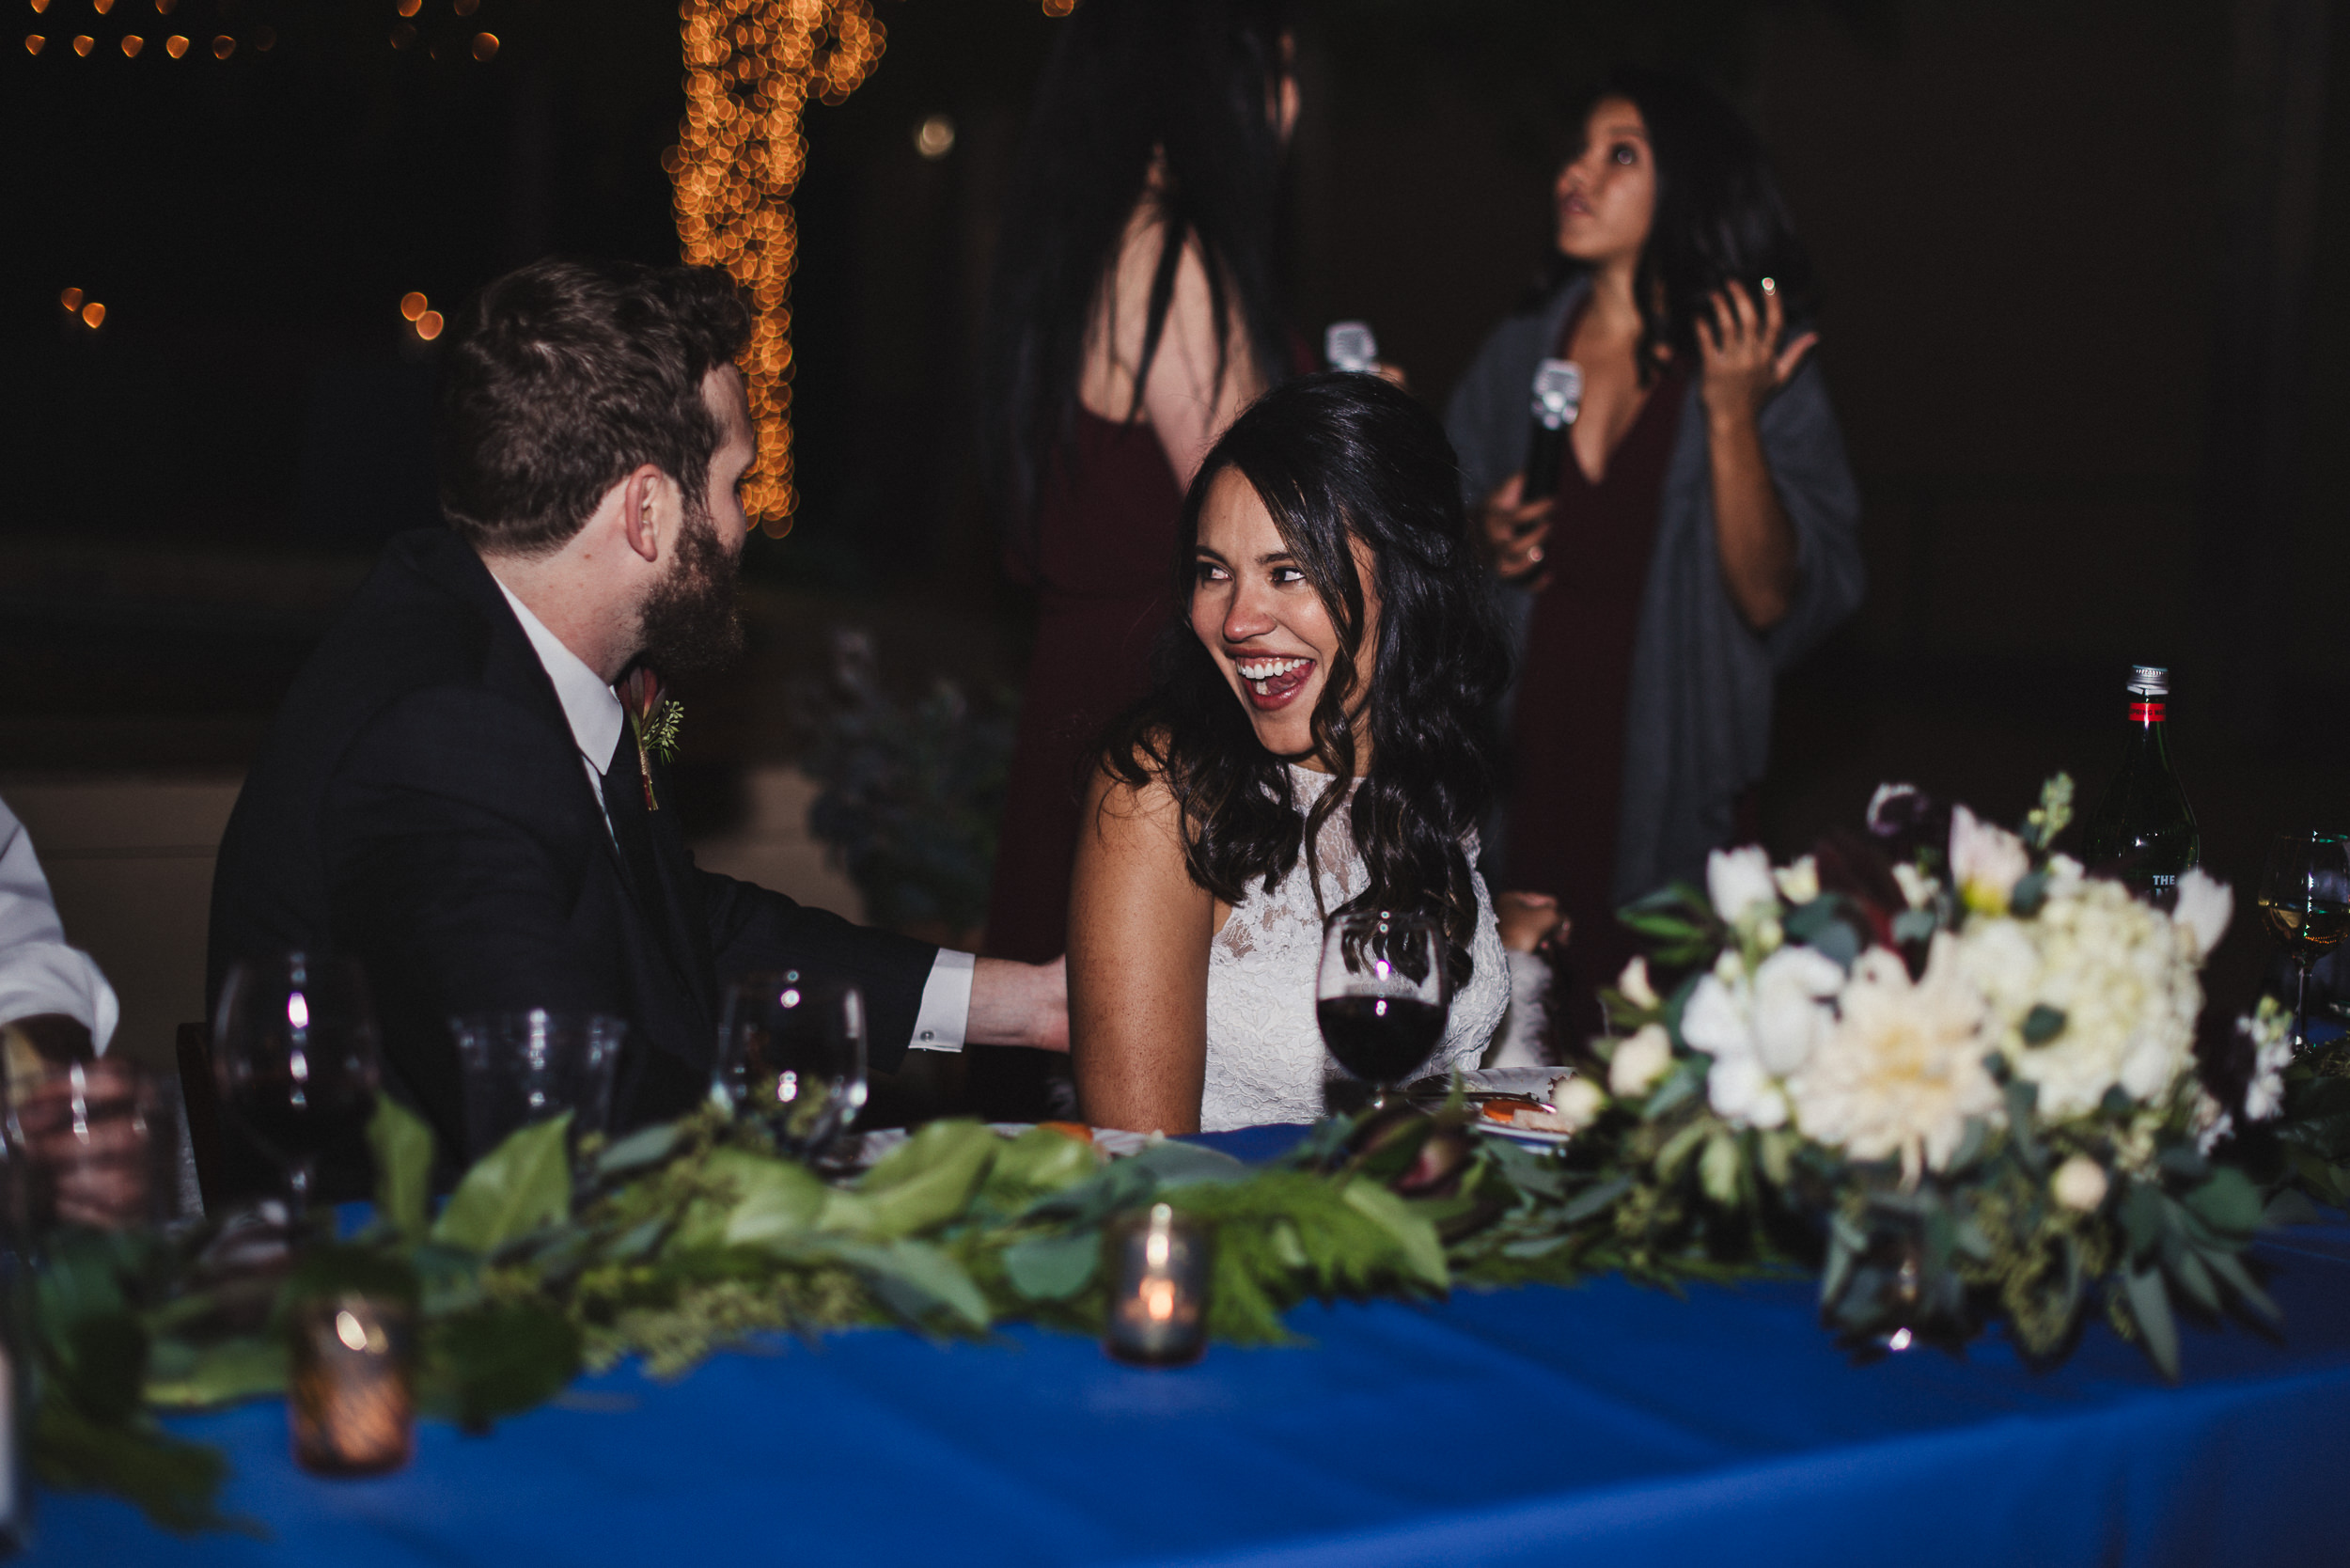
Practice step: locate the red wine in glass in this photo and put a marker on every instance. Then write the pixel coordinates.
(1382, 993)
(294, 1054)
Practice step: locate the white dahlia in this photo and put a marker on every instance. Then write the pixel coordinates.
(1903, 1070)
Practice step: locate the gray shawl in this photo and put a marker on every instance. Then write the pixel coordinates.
(1697, 719)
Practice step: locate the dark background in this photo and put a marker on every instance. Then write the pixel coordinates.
(2084, 327)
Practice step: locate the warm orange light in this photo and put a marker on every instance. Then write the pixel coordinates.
(165, 7)
(1060, 7)
(466, 8)
(35, 43)
(223, 47)
(174, 46)
(39, 5)
(102, 7)
(428, 325)
(131, 45)
(93, 313)
(751, 66)
(410, 7)
(411, 305)
(402, 35)
(82, 44)
(485, 47)
(70, 299)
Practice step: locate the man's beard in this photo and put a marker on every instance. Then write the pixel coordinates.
(691, 623)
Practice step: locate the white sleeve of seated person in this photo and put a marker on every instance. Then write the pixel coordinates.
(946, 1015)
(38, 973)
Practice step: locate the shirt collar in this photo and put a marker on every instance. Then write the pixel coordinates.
(595, 713)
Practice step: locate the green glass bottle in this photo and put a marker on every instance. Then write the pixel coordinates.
(2143, 831)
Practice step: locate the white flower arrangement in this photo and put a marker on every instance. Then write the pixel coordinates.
(1973, 1061)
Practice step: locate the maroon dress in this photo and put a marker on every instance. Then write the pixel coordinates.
(1568, 731)
(1107, 521)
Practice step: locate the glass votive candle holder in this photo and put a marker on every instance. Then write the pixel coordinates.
(1158, 1311)
(350, 1398)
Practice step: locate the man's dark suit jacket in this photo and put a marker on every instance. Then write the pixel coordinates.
(420, 805)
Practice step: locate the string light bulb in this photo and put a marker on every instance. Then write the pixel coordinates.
(750, 68)
(131, 45)
(83, 45)
(174, 46)
(70, 299)
(35, 43)
(428, 325)
(93, 315)
(411, 306)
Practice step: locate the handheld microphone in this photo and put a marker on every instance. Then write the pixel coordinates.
(1350, 346)
(1557, 399)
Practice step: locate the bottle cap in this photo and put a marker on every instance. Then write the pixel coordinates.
(2150, 680)
(1557, 393)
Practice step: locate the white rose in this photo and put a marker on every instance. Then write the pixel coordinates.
(1634, 984)
(1739, 880)
(1800, 882)
(2201, 913)
(1789, 987)
(1641, 1062)
(2079, 1182)
(1578, 1103)
(1987, 862)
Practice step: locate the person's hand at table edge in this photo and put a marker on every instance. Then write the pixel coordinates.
(1020, 1003)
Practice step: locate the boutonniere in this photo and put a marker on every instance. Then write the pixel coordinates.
(653, 717)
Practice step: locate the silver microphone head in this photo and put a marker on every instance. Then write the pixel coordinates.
(1350, 346)
(1557, 393)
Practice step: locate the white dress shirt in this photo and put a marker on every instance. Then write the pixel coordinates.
(38, 973)
(596, 718)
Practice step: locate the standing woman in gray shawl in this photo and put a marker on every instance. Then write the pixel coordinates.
(1702, 530)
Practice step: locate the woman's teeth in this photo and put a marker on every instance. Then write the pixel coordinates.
(1261, 672)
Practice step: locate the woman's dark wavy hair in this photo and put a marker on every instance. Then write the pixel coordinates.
(1339, 459)
(1127, 81)
(1719, 216)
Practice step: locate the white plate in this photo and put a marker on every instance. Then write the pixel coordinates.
(860, 1151)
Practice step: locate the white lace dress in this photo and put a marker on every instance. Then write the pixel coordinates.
(1266, 1062)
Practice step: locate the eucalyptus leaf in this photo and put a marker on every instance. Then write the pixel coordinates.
(916, 1279)
(1175, 1163)
(209, 1377)
(1915, 925)
(2042, 1024)
(522, 1184)
(924, 1182)
(2029, 892)
(1422, 1250)
(1054, 1268)
(2150, 1309)
(1590, 1201)
(2187, 1267)
(402, 1146)
(496, 1360)
(2228, 1202)
(2231, 1268)
(641, 1148)
(1041, 1160)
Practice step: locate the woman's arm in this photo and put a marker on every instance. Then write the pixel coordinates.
(1138, 933)
(1186, 406)
(1743, 364)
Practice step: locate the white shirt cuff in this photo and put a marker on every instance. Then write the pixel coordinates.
(946, 1003)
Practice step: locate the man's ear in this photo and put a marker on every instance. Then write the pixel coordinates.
(644, 518)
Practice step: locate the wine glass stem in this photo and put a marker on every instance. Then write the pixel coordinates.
(2300, 1002)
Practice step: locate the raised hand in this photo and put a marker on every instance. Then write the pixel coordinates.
(1742, 360)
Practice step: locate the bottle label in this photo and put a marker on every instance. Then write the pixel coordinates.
(2146, 712)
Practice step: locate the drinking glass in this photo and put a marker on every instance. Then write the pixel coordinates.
(1382, 993)
(2305, 902)
(294, 1053)
(94, 1144)
(791, 1050)
(528, 1067)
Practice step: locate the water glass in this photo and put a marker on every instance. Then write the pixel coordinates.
(523, 1067)
(792, 1051)
(95, 1143)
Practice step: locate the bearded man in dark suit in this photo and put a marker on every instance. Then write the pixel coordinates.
(450, 794)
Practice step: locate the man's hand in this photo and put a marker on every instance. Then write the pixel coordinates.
(1531, 922)
(1019, 1004)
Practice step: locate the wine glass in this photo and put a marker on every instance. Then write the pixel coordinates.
(2305, 902)
(1382, 993)
(792, 1050)
(294, 1056)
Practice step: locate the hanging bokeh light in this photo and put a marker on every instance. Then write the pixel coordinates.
(751, 66)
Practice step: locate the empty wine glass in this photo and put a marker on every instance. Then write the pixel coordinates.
(2305, 902)
(792, 1051)
(294, 1055)
(1382, 993)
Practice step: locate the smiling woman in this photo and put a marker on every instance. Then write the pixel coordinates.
(1312, 742)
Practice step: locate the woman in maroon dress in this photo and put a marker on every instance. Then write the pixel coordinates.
(1133, 316)
(1702, 530)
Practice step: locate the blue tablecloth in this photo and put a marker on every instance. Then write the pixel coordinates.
(1609, 1423)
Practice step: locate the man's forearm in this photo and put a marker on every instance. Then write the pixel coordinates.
(1020, 1003)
